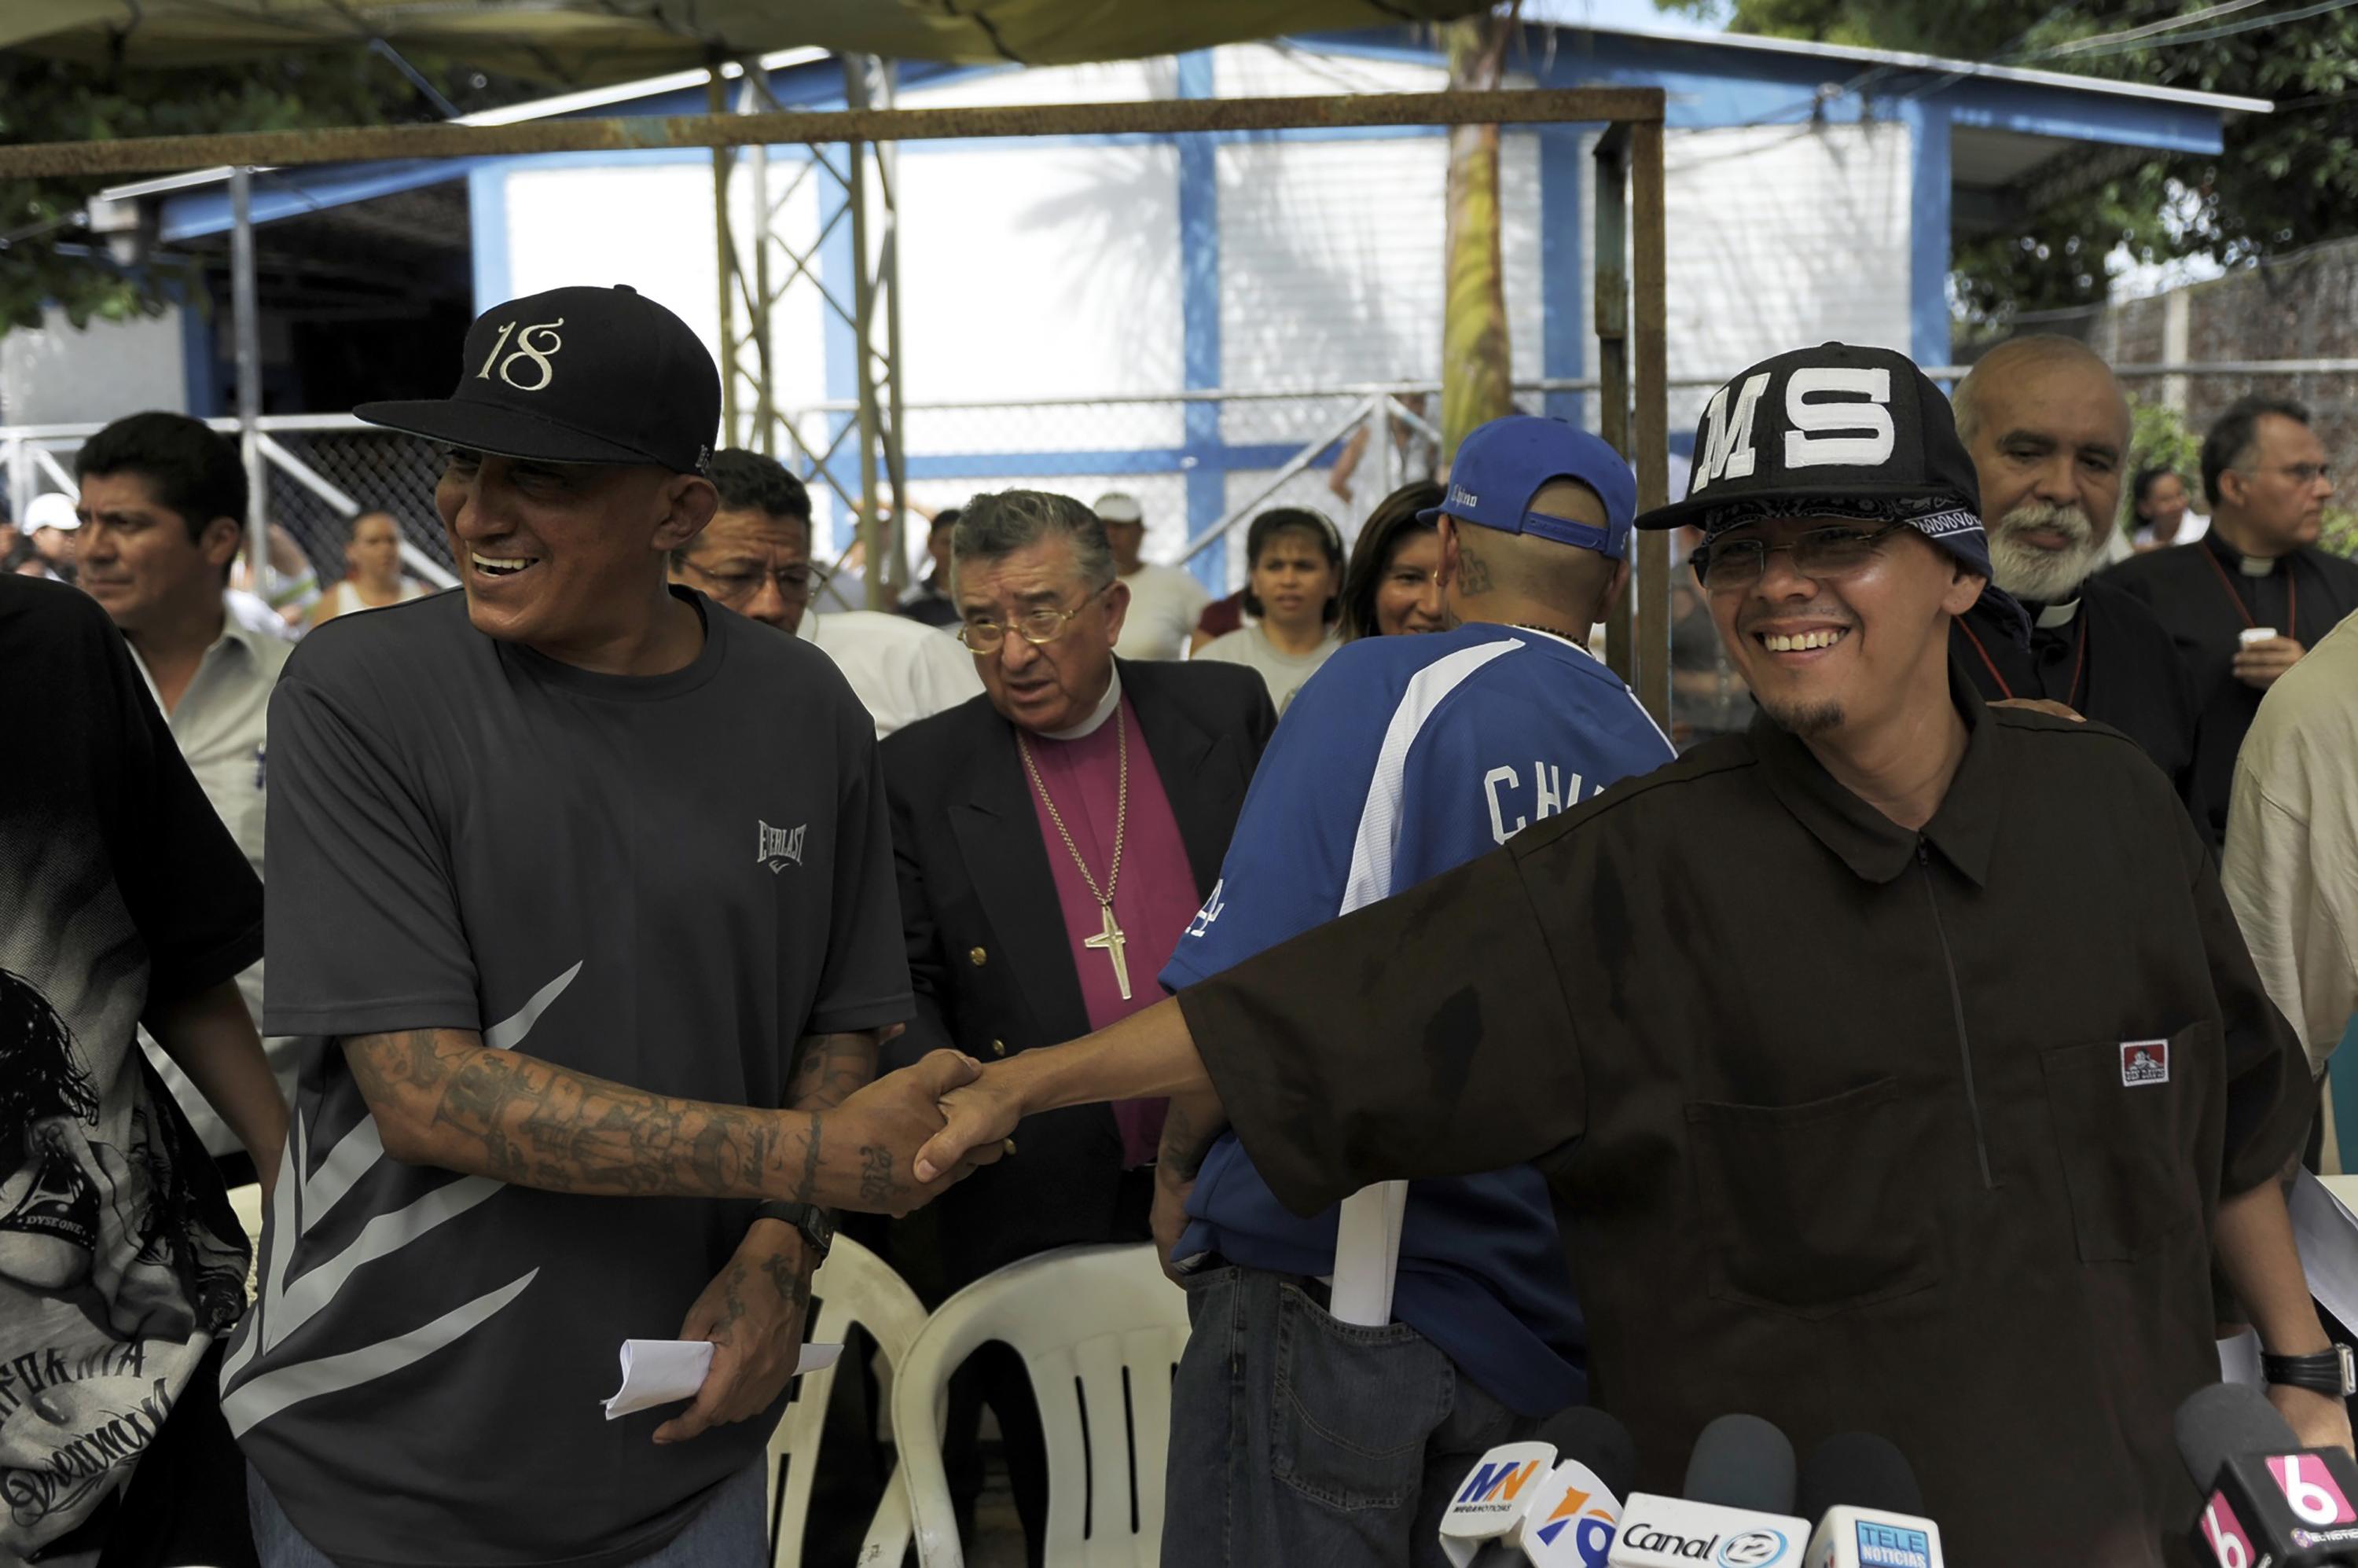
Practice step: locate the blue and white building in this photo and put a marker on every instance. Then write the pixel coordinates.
(1814, 192)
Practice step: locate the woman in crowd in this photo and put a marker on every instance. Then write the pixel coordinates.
(372, 577)
(2164, 512)
(1393, 583)
(1296, 593)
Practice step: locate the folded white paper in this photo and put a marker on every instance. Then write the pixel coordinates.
(1367, 1255)
(2327, 1234)
(664, 1371)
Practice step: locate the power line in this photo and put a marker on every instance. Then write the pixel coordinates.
(2227, 29)
(2169, 23)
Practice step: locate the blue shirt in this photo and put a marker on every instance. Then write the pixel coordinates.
(1401, 758)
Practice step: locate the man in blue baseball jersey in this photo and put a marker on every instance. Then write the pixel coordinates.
(1365, 1394)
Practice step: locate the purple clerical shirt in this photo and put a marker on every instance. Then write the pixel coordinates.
(1153, 899)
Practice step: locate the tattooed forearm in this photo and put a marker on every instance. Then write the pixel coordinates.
(441, 1098)
(1190, 1128)
(831, 1068)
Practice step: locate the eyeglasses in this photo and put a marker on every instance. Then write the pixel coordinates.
(1820, 553)
(2304, 474)
(1037, 627)
(796, 583)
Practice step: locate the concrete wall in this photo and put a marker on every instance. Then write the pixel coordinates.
(2300, 307)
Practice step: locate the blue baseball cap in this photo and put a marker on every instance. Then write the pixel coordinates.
(1502, 464)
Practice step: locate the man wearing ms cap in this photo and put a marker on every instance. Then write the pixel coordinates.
(583, 887)
(1894, 1065)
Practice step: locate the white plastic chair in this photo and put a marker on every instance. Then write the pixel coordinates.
(1100, 1331)
(853, 1286)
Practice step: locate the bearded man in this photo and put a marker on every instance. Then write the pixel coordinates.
(2048, 431)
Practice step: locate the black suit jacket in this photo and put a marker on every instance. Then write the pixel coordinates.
(989, 958)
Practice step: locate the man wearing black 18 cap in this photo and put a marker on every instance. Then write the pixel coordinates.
(1895, 1066)
(576, 880)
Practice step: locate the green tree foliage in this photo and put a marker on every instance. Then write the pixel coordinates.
(45, 255)
(2285, 180)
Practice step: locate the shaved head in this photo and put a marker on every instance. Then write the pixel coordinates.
(2034, 350)
(1569, 582)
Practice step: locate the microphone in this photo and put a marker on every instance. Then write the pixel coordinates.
(1483, 1525)
(1742, 1461)
(1578, 1507)
(1739, 1484)
(2267, 1502)
(1863, 1495)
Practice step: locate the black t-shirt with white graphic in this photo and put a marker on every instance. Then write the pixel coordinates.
(662, 881)
(120, 892)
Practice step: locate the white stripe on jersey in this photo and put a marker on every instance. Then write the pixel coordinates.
(1380, 815)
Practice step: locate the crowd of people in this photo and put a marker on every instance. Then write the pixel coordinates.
(1882, 1046)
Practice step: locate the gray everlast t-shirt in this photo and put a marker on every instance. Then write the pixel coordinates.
(665, 882)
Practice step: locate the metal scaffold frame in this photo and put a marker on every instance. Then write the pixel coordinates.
(860, 191)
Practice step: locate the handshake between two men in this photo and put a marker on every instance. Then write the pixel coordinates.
(968, 1111)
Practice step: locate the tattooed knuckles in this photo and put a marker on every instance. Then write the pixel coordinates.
(872, 1146)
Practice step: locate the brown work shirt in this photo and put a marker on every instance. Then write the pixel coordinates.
(1848, 1127)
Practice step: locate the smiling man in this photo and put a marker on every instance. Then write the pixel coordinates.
(1894, 1065)
(2048, 431)
(583, 1066)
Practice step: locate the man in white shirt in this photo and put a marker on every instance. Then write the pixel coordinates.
(2291, 866)
(754, 557)
(162, 501)
(1164, 600)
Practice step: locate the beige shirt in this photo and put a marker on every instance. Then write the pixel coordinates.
(1165, 603)
(223, 725)
(2291, 866)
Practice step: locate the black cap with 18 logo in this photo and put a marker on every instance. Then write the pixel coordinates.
(576, 375)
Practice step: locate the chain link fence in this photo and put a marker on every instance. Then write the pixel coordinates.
(1201, 465)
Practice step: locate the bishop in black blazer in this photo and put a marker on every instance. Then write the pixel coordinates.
(988, 954)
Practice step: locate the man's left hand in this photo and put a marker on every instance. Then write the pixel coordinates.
(2260, 663)
(2319, 1421)
(1170, 1219)
(753, 1314)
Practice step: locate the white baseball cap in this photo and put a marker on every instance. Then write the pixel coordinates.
(51, 509)
(1119, 507)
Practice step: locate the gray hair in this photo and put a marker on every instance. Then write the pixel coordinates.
(2037, 348)
(992, 527)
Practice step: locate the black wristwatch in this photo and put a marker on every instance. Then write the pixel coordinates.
(818, 1228)
(2328, 1372)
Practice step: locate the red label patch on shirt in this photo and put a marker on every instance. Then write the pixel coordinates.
(2145, 1061)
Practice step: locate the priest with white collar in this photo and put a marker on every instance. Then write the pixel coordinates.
(2244, 602)
(1055, 837)
(2049, 430)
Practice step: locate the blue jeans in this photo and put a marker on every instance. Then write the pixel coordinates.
(1301, 1441)
(732, 1531)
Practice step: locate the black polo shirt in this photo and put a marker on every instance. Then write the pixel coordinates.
(2105, 656)
(1846, 1126)
(2204, 599)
